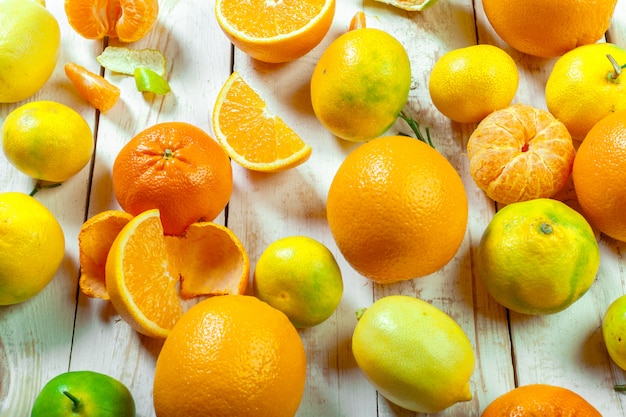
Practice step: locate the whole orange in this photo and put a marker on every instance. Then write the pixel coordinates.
(599, 175)
(540, 400)
(230, 356)
(177, 168)
(397, 209)
(549, 28)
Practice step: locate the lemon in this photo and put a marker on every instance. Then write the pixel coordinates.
(538, 256)
(614, 331)
(47, 140)
(32, 246)
(360, 84)
(29, 48)
(467, 84)
(583, 87)
(415, 355)
(300, 277)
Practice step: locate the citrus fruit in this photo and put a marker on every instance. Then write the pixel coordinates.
(466, 84)
(143, 269)
(148, 81)
(519, 153)
(177, 168)
(360, 84)
(584, 87)
(84, 393)
(230, 356)
(537, 256)
(32, 246)
(614, 331)
(30, 40)
(599, 174)
(422, 374)
(397, 209)
(540, 400)
(549, 28)
(251, 135)
(47, 140)
(410, 5)
(300, 277)
(126, 20)
(94, 88)
(95, 238)
(275, 31)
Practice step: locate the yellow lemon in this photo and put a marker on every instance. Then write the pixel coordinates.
(415, 355)
(538, 256)
(614, 331)
(360, 84)
(467, 84)
(47, 140)
(584, 87)
(32, 246)
(300, 277)
(29, 48)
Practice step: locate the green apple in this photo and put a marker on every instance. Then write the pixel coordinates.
(614, 331)
(84, 394)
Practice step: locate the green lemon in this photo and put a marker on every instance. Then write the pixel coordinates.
(32, 246)
(29, 48)
(415, 355)
(614, 331)
(84, 394)
(538, 256)
(300, 277)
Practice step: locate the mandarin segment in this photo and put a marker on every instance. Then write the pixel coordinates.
(94, 88)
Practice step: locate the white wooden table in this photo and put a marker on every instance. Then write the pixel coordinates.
(61, 330)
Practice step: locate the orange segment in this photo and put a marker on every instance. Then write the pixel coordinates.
(100, 93)
(250, 134)
(275, 31)
(95, 238)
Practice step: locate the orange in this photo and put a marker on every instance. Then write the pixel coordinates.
(549, 28)
(230, 356)
(251, 135)
(397, 209)
(540, 400)
(519, 153)
(95, 238)
(94, 88)
(275, 31)
(599, 175)
(143, 268)
(466, 84)
(177, 168)
(127, 20)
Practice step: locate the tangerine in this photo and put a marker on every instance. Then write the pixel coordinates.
(94, 88)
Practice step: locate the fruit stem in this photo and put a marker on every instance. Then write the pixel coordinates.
(619, 387)
(76, 403)
(39, 186)
(359, 313)
(415, 127)
(617, 69)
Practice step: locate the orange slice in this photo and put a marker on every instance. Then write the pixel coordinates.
(144, 268)
(275, 31)
(95, 238)
(100, 93)
(250, 134)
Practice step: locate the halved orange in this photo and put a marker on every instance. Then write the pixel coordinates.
(95, 238)
(275, 31)
(94, 88)
(250, 134)
(144, 268)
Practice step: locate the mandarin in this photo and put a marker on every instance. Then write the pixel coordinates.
(549, 28)
(599, 175)
(519, 153)
(540, 400)
(397, 209)
(94, 88)
(177, 168)
(230, 356)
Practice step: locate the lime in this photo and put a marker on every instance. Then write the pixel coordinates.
(614, 331)
(148, 81)
(415, 355)
(300, 277)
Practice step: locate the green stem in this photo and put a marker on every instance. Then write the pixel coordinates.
(76, 403)
(415, 127)
(40, 186)
(617, 69)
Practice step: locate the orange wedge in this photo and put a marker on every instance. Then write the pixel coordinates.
(275, 31)
(94, 88)
(95, 238)
(144, 268)
(250, 134)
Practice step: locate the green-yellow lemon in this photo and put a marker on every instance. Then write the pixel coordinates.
(614, 331)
